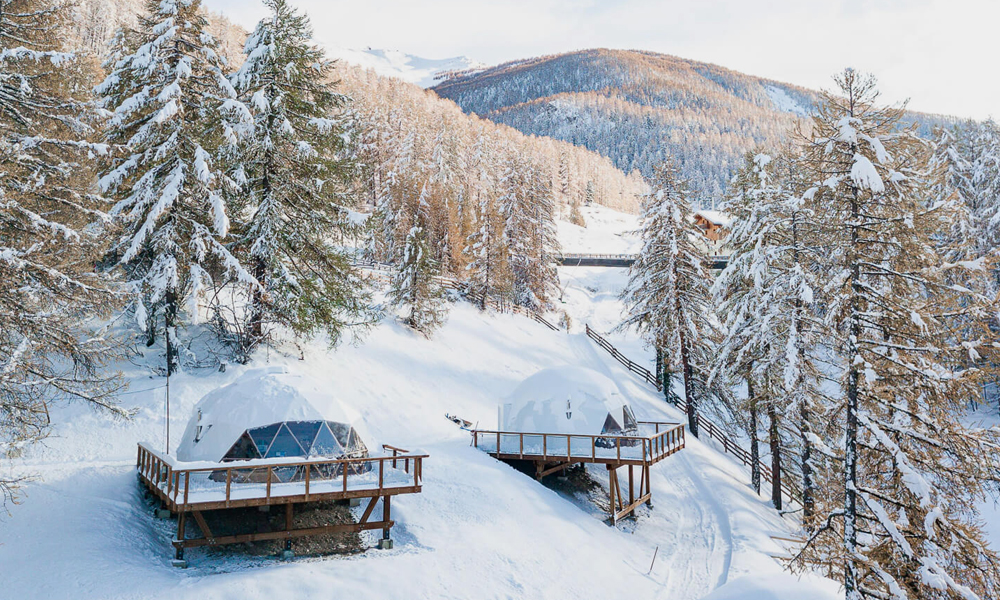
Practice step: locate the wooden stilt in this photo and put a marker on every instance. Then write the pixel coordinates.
(631, 488)
(386, 516)
(649, 494)
(179, 549)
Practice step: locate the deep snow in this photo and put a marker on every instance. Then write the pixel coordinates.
(480, 529)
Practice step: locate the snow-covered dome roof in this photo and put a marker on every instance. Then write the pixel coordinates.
(258, 398)
(566, 400)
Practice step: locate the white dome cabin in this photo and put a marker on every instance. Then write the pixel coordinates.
(569, 400)
(272, 437)
(270, 413)
(565, 416)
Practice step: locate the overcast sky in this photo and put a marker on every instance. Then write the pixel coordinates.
(944, 55)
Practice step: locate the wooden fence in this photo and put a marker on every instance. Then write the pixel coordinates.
(629, 364)
(728, 445)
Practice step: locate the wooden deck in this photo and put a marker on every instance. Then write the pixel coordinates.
(554, 452)
(190, 488)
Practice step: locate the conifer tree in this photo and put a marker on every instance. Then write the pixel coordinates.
(49, 291)
(484, 245)
(763, 299)
(668, 293)
(293, 199)
(415, 285)
(895, 512)
(528, 214)
(170, 102)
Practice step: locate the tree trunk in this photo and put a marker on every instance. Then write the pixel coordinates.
(808, 501)
(257, 303)
(659, 366)
(851, 429)
(754, 449)
(689, 394)
(775, 440)
(805, 425)
(170, 330)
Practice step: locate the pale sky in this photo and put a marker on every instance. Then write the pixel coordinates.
(944, 55)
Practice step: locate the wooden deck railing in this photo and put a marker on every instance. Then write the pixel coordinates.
(728, 445)
(173, 479)
(629, 364)
(666, 439)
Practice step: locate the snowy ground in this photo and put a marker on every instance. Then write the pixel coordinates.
(480, 529)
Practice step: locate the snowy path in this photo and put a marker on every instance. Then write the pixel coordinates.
(696, 553)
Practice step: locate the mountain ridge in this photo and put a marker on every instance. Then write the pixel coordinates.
(636, 107)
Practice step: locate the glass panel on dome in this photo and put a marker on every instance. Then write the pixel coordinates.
(354, 445)
(243, 449)
(304, 432)
(341, 431)
(285, 474)
(630, 424)
(284, 444)
(262, 436)
(325, 444)
(611, 426)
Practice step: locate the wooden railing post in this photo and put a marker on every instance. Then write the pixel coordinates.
(308, 472)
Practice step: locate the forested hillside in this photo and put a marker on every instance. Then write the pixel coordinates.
(637, 108)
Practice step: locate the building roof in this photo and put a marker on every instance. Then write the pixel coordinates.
(562, 400)
(258, 397)
(716, 217)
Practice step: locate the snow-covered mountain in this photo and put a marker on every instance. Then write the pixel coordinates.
(424, 72)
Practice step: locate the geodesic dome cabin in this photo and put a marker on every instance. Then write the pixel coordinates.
(569, 400)
(270, 413)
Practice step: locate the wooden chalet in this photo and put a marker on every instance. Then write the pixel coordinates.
(713, 224)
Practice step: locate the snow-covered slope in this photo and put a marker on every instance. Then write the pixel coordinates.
(480, 529)
(394, 63)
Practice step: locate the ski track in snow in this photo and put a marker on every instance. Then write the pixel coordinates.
(710, 530)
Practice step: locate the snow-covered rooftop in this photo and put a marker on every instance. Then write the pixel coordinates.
(716, 217)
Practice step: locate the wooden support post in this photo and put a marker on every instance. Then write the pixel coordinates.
(649, 494)
(612, 507)
(179, 549)
(205, 531)
(289, 514)
(631, 489)
(386, 516)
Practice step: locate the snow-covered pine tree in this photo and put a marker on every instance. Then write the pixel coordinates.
(983, 188)
(668, 293)
(484, 245)
(171, 107)
(415, 285)
(527, 210)
(763, 301)
(48, 288)
(951, 183)
(895, 512)
(293, 200)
